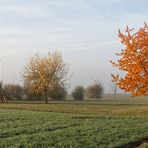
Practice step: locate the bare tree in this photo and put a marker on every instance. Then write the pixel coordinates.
(114, 88)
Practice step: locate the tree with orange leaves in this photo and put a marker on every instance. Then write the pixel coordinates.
(134, 62)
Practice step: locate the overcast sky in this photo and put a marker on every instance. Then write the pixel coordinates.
(86, 32)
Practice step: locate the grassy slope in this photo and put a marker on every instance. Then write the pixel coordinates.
(42, 129)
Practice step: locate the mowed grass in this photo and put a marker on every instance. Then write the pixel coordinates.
(22, 128)
(82, 108)
(109, 106)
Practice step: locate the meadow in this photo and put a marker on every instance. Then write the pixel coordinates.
(105, 124)
(122, 105)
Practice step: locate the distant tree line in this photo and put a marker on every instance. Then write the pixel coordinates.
(16, 92)
(94, 91)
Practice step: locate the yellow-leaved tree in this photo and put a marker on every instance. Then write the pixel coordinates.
(133, 61)
(44, 73)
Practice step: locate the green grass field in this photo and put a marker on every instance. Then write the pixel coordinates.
(106, 123)
(43, 129)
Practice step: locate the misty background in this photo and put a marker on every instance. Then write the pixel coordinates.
(85, 31)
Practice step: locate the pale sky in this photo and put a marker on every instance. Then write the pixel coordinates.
(86, 32)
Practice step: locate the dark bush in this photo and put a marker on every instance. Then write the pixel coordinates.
(57, 93)
(78, 93)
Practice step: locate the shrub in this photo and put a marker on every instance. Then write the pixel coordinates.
(57, 93)
(78, 93)
(13, 92)
(94, 91)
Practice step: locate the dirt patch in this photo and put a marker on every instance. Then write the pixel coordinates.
(136, 144)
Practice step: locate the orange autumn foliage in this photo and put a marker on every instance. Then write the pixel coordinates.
(134, 62)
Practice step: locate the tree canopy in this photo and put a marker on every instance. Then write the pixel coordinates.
(133, 61)
(44, 73)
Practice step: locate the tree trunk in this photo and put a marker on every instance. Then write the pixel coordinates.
(115, 92)
(46, 97)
